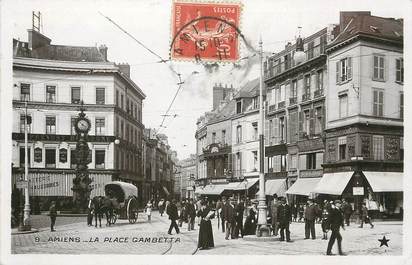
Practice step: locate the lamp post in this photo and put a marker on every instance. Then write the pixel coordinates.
(25, 225)
(262, 228)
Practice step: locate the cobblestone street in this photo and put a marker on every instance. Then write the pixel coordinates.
(152, 238)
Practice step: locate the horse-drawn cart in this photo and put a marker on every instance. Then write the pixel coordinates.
(124, 200)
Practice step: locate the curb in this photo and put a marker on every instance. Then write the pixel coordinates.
(15, 231)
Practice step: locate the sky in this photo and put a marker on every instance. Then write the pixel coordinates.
(79, 23)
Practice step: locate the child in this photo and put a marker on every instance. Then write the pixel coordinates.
(148, 210)
(325, 223)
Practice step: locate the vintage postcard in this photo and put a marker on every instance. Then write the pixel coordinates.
(207, 131)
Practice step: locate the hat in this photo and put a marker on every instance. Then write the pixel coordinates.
(338, 201)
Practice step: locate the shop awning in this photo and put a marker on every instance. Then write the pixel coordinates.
(275, 186)
(213, 189)
(246, 184)
(333, 183)
(303, 186)
(385, 181)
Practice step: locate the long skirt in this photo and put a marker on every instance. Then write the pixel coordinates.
(205, 235)
(250, 226)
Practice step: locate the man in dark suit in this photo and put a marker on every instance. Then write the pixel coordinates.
(335, 222)
(219, 209)
(284, 217)
(347, 211)
(173, 216)
(240, 208)
(310, 216)
(191, 215)
(53, 215)
(228, 212)
(274, 214)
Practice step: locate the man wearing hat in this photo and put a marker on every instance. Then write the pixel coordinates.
(335, 222)
(274, 212)
(228, 214)
(311, 213)
(284, 217)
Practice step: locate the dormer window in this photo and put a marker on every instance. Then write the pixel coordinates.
(238, 106)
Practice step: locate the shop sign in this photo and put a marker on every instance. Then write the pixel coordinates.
(358, 191)
(38, 155)
(22, 184)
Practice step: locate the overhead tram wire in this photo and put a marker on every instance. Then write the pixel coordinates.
(161, 61)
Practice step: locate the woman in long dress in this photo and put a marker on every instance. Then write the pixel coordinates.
(205, 232)
(250, 223)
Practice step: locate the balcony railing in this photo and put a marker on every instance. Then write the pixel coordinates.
(281, 104)
(305, 97)
(293, 100)
(318, 93)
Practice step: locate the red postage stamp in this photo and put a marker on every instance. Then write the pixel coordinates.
(205, 31)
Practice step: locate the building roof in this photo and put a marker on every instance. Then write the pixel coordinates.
(59, 52)
(249, 90)
(379, 27)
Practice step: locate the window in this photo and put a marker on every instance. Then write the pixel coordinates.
(378, 67)
(343, 105)
(255, 131)
(255, 160)
(278, 66)
(121, 101)
(239, 106)
(344, 70)
(51, 94)
(75, 95)
(282, 163)
(322, 44)
(117, 98)
(294, 89)
(307, 85)
(121, 129)
(287, 61)
(311, 161)
(213, 137)
(377, 103)
(238, 162)
(73, 125)
(50, 158)
(73, 158)
(51, 125)
(100, 95)
(306, 121)
(25, 92)
(293, 162)
(255, 103)
(99, 158)
(310, 50)
(22, 122)
(282, 128)
(318, 120)
(22, 157)
(399, 70)
(377, 148)
(100, 126)
(238, 134)
(401, 149)
(223, 137)
(319, 80)
(401, 106)
(342, 148)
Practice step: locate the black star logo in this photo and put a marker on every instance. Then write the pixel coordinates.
(384, 241)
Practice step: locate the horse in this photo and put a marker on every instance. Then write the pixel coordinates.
(102, 205)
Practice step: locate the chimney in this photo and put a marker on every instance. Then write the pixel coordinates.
(124, 68)
(346, 16)
(37, 40)
(103, 51)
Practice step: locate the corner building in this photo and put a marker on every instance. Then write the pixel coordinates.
(53, 80)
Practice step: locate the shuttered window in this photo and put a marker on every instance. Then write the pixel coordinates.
(378, 67)
(377, 103)
(51, 94)
(344, 70)
(401, 106)
(378, 147)
(399, 70)
(343, 105)
(100, 95)
(100, 126)
(51, 125)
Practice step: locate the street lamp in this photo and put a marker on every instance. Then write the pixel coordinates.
(25, 225)
(262, 228)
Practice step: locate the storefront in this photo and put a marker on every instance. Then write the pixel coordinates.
(302, 190)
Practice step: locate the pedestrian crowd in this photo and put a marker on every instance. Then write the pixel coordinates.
(231, 213)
